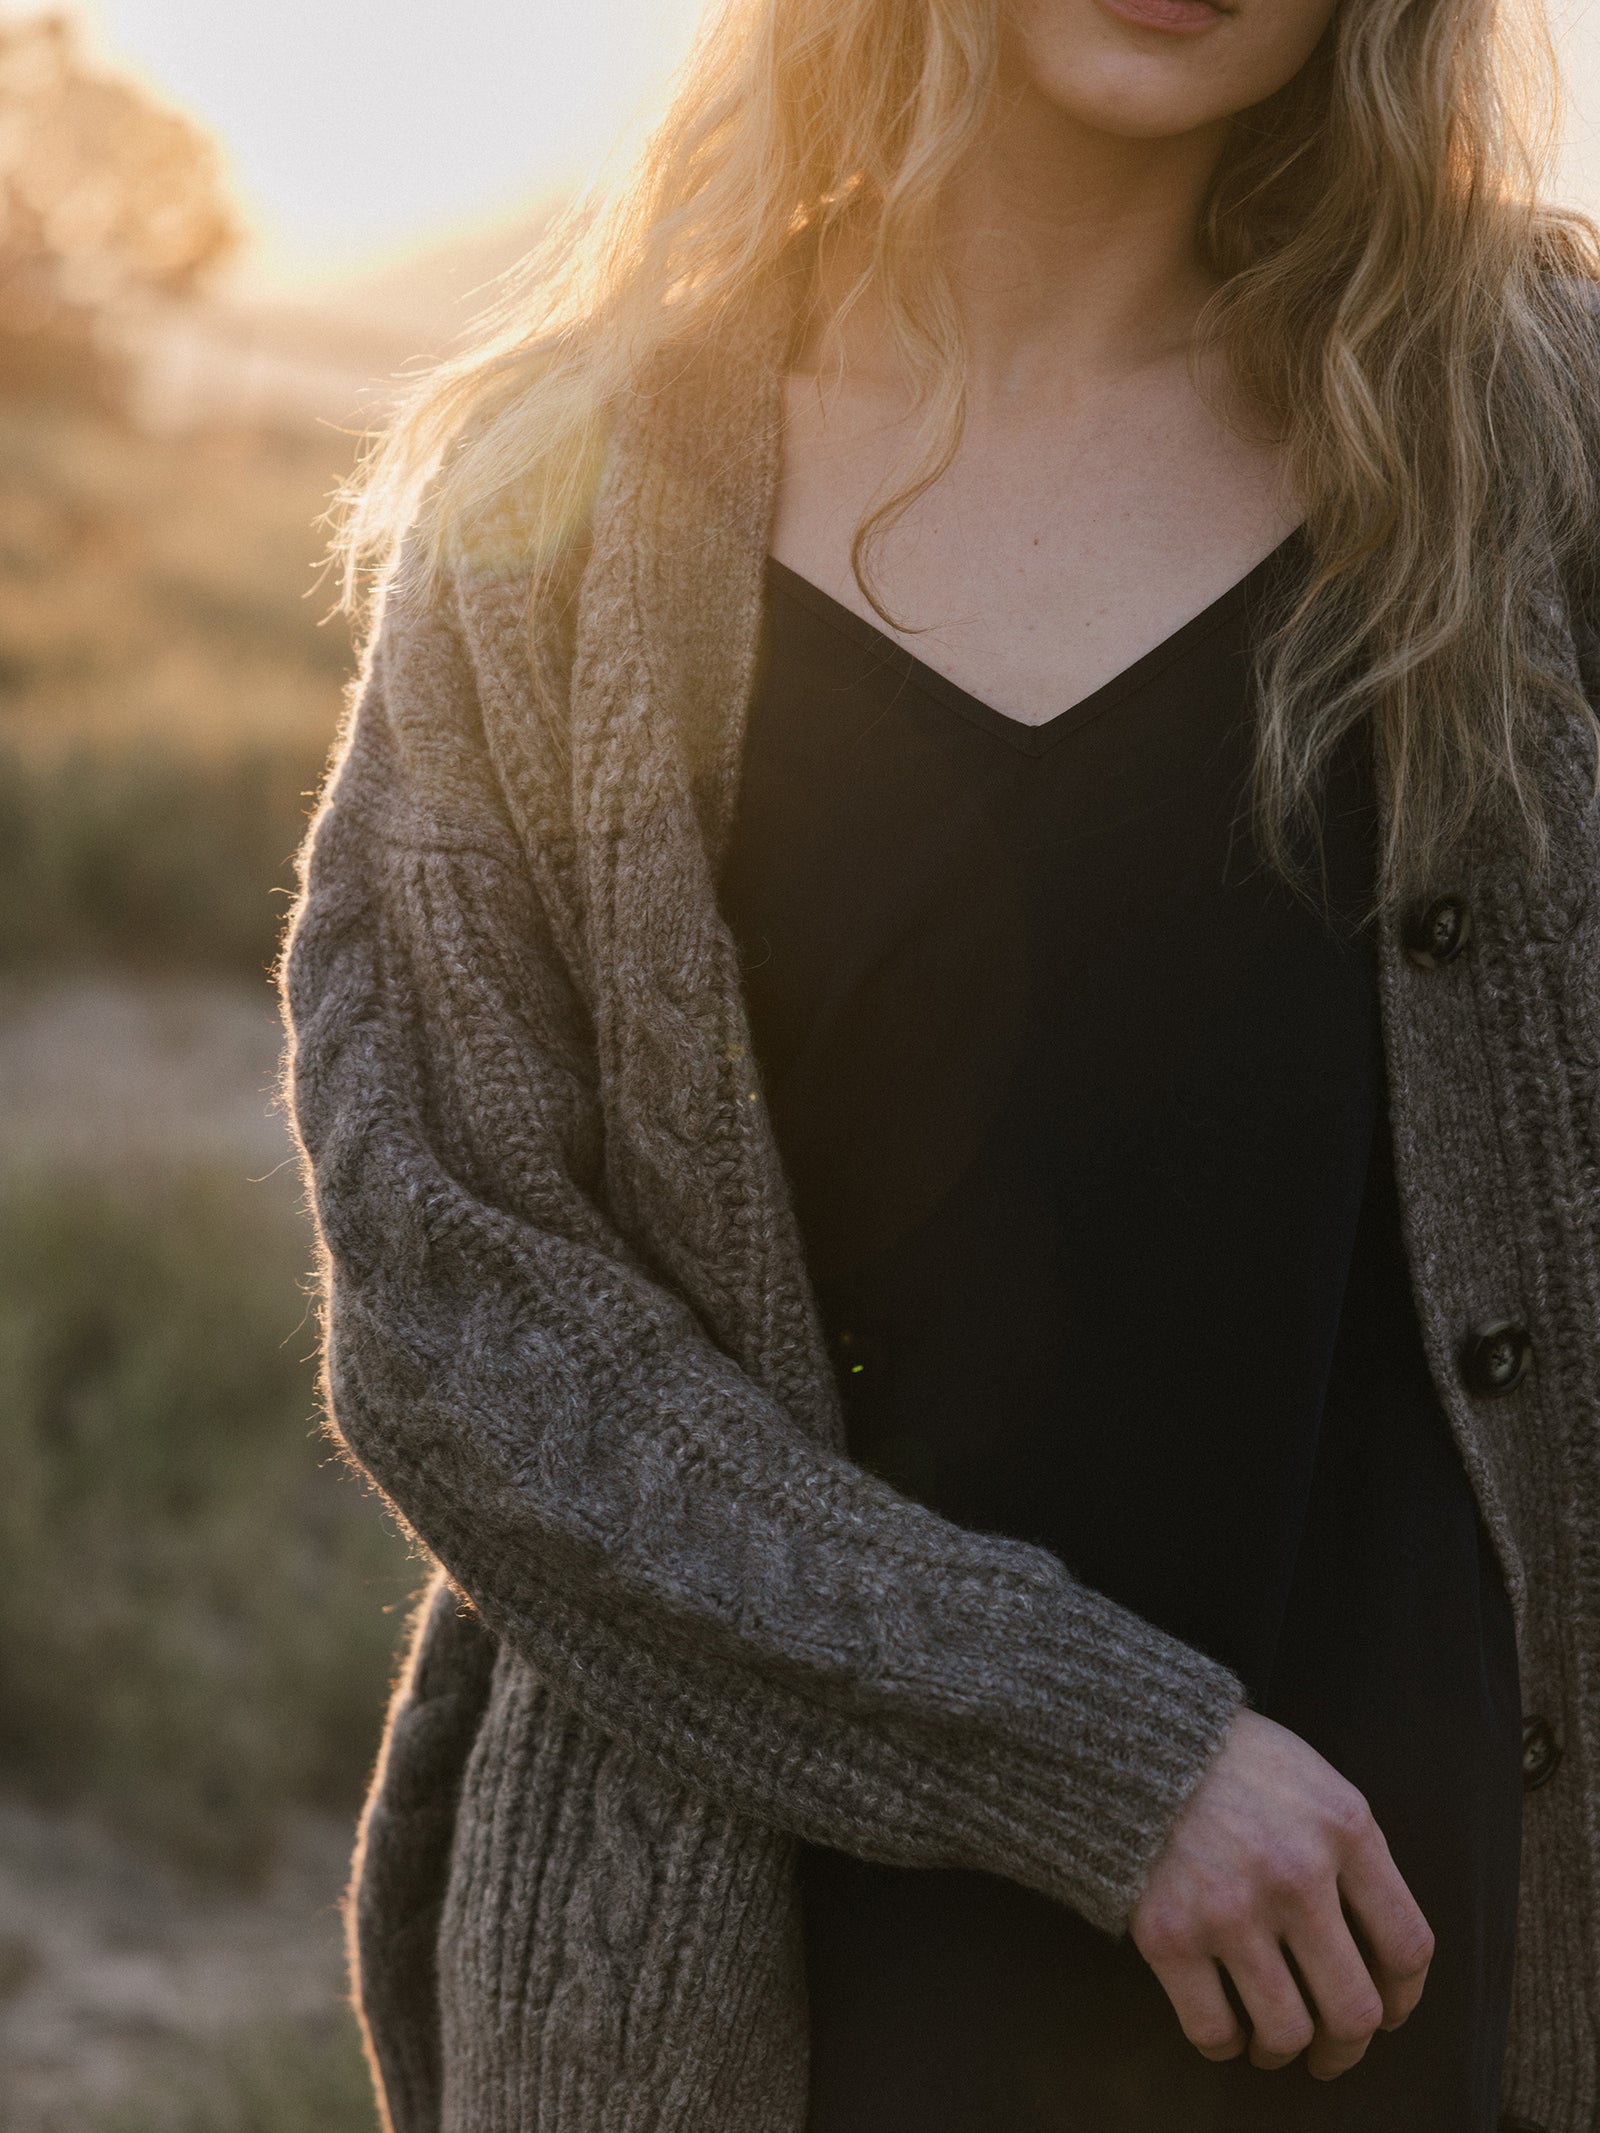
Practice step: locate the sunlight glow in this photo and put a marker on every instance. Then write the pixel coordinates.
(357, 127)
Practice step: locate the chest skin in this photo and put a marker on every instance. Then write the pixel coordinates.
(1069, 535)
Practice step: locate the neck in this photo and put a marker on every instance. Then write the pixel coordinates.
(1072, 250)
(1071, 255)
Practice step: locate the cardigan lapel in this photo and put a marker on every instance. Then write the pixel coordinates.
(667, 634)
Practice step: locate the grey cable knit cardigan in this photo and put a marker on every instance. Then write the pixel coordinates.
(569, 1333)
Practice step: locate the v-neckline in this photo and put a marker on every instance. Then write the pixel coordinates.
(1026, 738)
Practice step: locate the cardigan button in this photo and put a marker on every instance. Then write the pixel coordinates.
(1436, 933)
(1496, 1358)
(1541, 1752)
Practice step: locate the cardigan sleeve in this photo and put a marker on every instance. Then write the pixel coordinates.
(622, 1504)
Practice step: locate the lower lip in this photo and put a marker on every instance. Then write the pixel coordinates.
(1182, 18)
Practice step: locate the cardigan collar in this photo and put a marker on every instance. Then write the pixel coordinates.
(668, 627)
(681, 530)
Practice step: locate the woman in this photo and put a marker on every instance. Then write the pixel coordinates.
(944, 1027)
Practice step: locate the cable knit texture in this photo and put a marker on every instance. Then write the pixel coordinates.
(569, 1333)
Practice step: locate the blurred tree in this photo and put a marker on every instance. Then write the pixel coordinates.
(106, 197)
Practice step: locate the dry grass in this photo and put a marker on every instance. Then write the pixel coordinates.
(164, 590)
(147, 854)
(131, 1990)
(302, 2078)
(169, 687)
(197, 1617)
(200, 1603)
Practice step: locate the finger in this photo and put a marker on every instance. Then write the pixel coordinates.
(1194, 1986)
(1344, 1997)
(1281, 2024)
(1398, 1941)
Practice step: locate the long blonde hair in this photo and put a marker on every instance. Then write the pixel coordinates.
(1413, 320)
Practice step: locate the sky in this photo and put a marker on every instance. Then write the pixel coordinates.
(359, 128)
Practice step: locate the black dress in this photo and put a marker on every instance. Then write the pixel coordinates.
(1084, 1117)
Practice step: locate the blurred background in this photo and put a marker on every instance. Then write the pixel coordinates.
(224, 233)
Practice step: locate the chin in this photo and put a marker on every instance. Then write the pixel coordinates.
(1158, 69)
(1152, 105)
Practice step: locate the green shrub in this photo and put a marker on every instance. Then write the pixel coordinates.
(149, 854)
(305, 2078)
(200, 1601)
